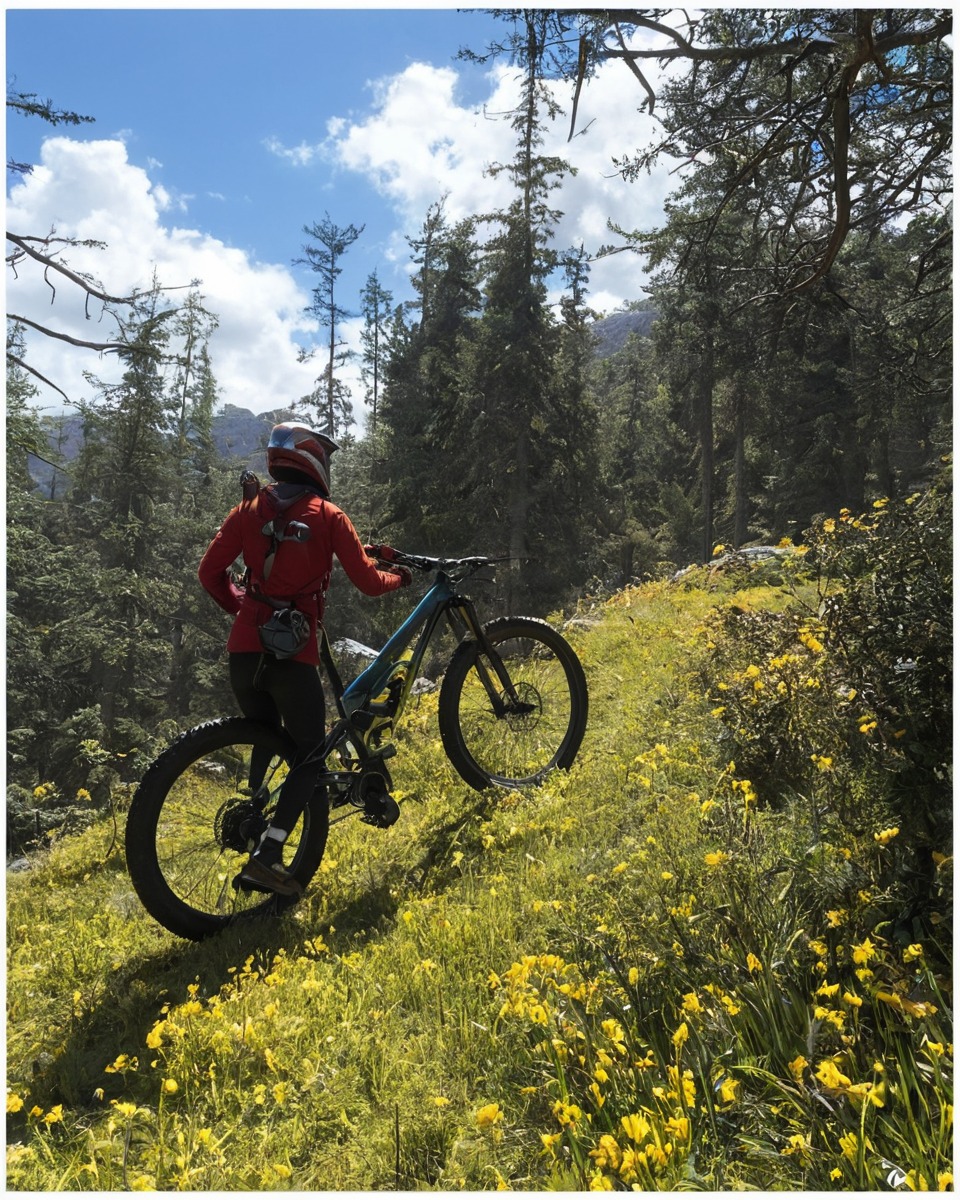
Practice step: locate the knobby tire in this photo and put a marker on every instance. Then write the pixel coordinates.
(187, 829)
(514, 750)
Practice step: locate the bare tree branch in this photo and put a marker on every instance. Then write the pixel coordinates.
(103, 347)
(16, 361)
(51, 263)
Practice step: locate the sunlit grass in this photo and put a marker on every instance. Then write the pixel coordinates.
(636, 975)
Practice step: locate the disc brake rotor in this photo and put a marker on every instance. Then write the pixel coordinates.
(525, 715)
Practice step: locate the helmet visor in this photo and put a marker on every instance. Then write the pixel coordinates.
(286, 437)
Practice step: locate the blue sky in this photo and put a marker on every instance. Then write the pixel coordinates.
(220, 133)
(201, 92)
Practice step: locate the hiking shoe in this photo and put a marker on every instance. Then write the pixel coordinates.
(257, 876)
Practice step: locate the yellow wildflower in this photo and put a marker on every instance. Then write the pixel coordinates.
(796, 1067)
(679, 1127)
(850, 1144)
(567, 1114)
(727, 1090)
(54, 1115)
(913, 1008)
(716, 858)
(155, 1036)
(488, 1116)
(636, 1127)
(607, 1153)
(913, 953)
(864, 952)
(169, 1086)
(691, 1003)
(832, 1015)
(799, 1144)
(885, 836)
(14, 1102)
(753, 963)
(832, 1077)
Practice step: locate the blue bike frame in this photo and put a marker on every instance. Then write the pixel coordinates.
(372, 681)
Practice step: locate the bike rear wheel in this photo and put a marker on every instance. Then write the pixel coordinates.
(198, 812)
(520, 747)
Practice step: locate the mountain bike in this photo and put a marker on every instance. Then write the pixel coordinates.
(512, 707)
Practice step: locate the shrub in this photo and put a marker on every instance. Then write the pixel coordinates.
(846, 695)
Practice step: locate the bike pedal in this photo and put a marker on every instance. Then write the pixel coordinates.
(381, 811)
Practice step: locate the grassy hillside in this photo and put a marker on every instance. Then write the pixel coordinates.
(655, 971)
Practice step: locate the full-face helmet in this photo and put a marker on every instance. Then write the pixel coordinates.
(299, 448)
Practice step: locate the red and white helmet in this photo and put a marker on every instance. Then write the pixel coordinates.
(300, 448)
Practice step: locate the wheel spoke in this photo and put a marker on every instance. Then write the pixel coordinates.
(523, 744)
(195, 819)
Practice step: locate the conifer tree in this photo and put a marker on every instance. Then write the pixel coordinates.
(323, 254)
(375, 308)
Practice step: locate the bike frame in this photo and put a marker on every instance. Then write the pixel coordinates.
(353, 700)
(425, 617)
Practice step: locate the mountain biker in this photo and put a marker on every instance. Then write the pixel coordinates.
(287, 535)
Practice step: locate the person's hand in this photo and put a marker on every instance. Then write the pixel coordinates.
(406, 575)
(384, 553)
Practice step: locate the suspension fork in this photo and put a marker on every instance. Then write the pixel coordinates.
(464, 619)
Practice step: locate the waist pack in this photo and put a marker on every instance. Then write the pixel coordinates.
(285, 633)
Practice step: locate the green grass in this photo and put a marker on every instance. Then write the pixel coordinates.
(638, 974)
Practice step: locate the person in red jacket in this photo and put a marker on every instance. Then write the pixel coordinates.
(287, 535)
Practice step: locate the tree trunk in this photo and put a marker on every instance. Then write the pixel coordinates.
(705, 419)
(739, 471)
(519, 508)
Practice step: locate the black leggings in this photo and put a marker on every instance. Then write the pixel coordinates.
(280, 692)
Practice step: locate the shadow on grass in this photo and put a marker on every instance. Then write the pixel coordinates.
(134, 995)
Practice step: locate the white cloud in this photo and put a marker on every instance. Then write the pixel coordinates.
(417, 143)
(89, 190)
(413, 159)
(299, 156)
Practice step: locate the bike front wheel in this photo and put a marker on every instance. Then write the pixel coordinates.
(199, 811)
(538, 732)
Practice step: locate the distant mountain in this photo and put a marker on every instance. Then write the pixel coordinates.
(612, 332)
(241, 436)
(238, 434)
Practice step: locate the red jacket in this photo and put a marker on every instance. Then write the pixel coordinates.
(300, 571)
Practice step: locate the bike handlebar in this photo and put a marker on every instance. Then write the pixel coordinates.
(424, 562)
